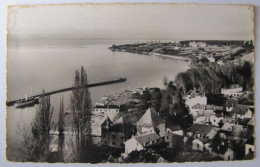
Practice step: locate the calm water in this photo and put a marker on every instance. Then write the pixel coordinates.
(33, 68)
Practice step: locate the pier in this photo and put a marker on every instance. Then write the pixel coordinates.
(10, 103)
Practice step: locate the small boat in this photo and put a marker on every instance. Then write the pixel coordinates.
(122, 79)
(27, 102)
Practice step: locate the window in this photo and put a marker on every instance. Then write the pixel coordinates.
(167, 137)
(114, 136)
(113, 143)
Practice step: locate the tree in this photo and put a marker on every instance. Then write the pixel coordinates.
(61, 122)
(37, 142)
(156, 97)
(81, 106)
(165, 81)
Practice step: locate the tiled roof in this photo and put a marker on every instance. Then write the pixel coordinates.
(227, 126)
(201, 129)
(150, 118)
(252, 121)
(240, 109)
(107, 122)
(175, 127)
(146, 138)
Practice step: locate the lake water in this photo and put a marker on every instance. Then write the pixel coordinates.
(32, 68)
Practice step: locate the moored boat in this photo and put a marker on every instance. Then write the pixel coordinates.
(27, 102)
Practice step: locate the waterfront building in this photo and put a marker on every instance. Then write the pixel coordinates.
(235, 90)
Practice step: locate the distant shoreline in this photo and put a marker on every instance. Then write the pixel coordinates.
(171, 56)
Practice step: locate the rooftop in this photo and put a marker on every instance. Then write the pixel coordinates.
(201, 129)
(240, 109)
(145, 138)
(150, 118)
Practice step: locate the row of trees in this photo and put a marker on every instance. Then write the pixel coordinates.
(168, 103)
(211, 78)
(37, 139)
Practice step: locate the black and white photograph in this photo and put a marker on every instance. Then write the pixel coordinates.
(130, 83)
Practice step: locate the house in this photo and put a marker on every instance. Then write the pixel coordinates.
(224, 152)
(250, 146)
(198, 145)
(201, 120)
(174, 138)
(193, 44)
(195, 98)
(140, 142)
(234, 90)
(197, 44)
(151, 122)
(241, 112)
(202, 44)
(202, 109)
(107, 110)
(112, 134)
(251, 122)
(230, 104)
(161, 160)
(240, 134)
(200, 130)
(116, 132)
(216, 119)
(227, 126)
(223, 134)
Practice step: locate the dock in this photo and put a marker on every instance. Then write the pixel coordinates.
(10, 103)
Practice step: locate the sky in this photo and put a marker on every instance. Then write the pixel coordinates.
(164, 21)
